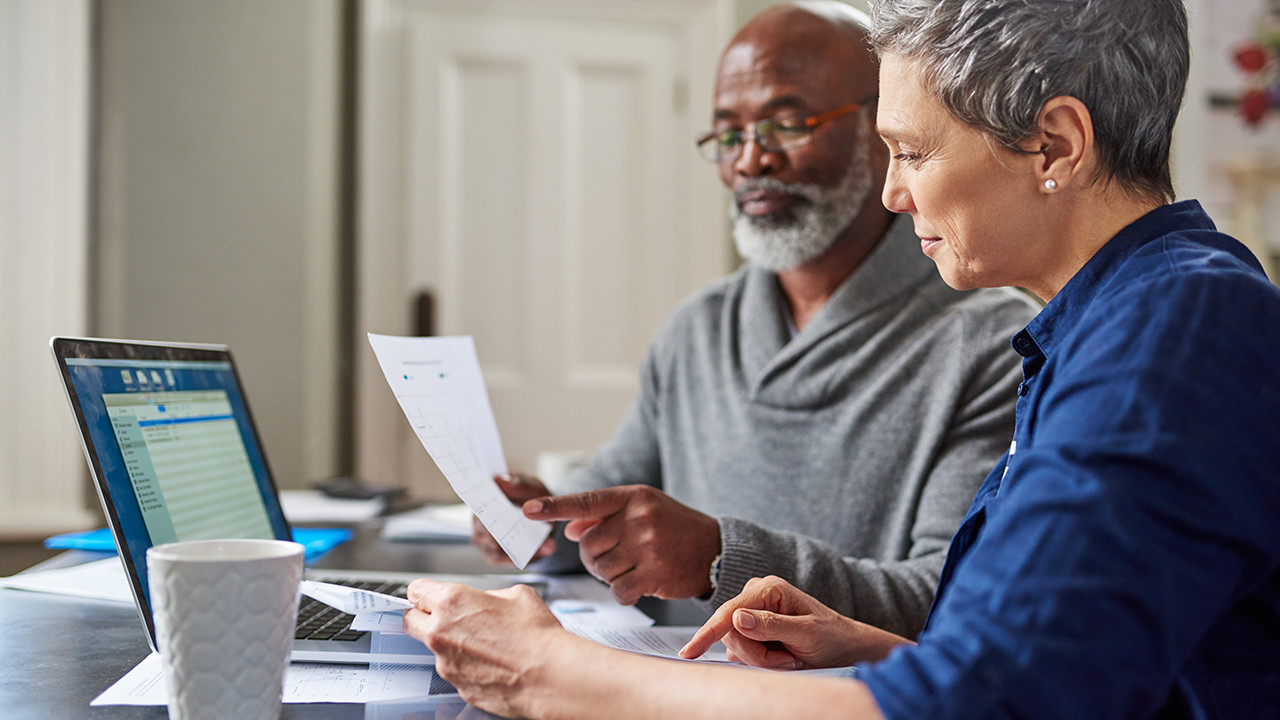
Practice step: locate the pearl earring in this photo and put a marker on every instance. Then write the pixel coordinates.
(1050, 184)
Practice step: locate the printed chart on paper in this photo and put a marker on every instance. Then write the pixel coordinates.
(438, 383)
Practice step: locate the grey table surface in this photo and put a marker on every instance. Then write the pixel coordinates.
(58, 653)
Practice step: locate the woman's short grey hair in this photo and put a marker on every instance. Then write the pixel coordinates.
(995, 63)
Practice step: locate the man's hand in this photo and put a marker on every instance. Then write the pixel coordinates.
(518, 488)
(637, 539)
(771, 624)
(491, 646)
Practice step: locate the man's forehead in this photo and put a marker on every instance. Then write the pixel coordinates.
(756, 77)
(765, 61)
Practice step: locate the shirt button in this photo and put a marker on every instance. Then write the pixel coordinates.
(1023, 344)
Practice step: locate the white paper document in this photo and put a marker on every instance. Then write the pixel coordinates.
(313, 506)
(430, 523)
(100, 579)
(597, 613)
(663, 641)
(666, 641)
(570, 613)
(303, 683)
(391, 622)
(352, 601)
(441, 391)
(576, 601)
(583, 600)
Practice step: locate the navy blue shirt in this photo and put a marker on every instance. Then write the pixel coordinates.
(1123, 558)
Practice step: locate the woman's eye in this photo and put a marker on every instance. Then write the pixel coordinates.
(909, 158)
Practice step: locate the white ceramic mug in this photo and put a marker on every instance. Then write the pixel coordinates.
(225, 612)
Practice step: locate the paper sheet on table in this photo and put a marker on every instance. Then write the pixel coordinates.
(430, 522)
(100, 579)
(303, 683)
(570, 613)
(666, 641)
(441, 391)
(313, 506)
(663, 641)
(581, 601)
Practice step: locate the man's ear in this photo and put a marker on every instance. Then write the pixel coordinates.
(1066, 142)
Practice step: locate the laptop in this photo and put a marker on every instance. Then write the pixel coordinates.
(175, 456)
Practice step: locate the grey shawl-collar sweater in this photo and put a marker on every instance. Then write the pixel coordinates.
(844, 458)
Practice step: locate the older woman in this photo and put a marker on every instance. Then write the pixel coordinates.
(1123, 559)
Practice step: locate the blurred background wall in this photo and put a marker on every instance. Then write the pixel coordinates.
(285, 176)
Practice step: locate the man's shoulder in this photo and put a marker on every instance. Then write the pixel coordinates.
(707, 304)
(717, 290)
(989, 311)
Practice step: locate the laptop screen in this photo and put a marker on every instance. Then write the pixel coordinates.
(173, 447)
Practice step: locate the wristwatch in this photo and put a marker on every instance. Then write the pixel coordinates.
(714, 575)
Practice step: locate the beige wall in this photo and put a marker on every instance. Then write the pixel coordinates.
(218, 199)
(44, 166)
(747, 8)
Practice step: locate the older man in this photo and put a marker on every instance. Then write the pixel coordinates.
(826, 413)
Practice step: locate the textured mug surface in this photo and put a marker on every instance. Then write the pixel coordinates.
(224, 613)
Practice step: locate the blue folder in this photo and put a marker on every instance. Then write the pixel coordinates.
(317, 541)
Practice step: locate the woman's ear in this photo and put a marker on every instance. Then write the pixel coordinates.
(1066, 142)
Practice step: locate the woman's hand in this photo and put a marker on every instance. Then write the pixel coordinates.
(491, 646)
(771, 624)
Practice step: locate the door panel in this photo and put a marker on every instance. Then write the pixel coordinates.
(530, 165)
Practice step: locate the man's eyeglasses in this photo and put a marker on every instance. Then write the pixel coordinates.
(774, 135)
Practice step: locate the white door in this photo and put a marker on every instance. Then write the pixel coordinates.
(529, 167)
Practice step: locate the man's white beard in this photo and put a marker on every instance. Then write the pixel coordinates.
(813, 226)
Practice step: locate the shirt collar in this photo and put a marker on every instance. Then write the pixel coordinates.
(1061, 315)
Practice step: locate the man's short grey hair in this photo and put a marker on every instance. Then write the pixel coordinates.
(995, 63)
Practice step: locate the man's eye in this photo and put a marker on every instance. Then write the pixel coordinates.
(729, 138)
(790, 126)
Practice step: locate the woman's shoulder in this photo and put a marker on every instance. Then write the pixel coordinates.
(1189, 289)
(1191, 266)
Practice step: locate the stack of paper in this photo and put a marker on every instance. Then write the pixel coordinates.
(431, 523)
(100, 579)
(313, 506)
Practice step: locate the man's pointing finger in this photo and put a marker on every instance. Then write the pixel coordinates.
(593, 504)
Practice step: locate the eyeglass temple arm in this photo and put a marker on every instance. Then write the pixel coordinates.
(815, 120)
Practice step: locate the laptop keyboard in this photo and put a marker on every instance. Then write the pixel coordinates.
(317, 621)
